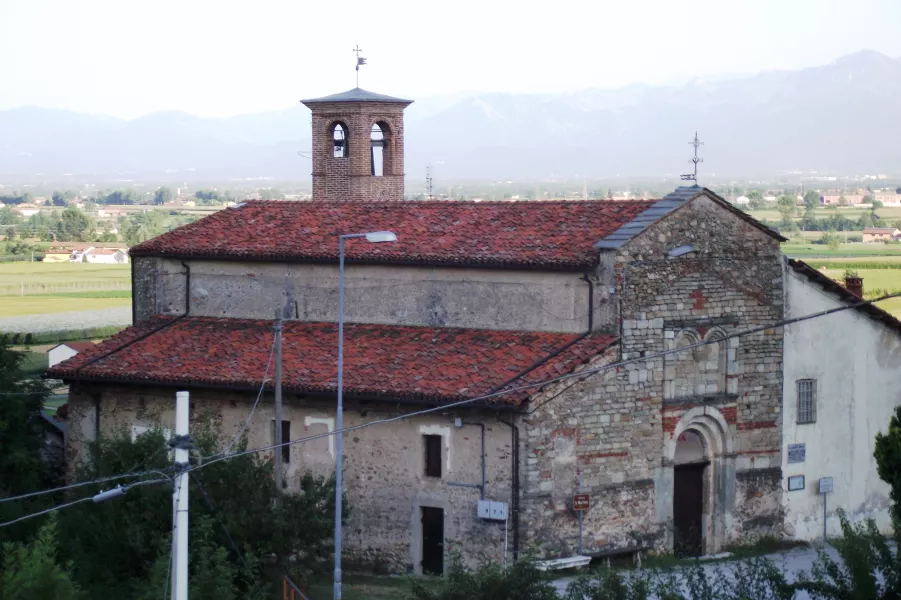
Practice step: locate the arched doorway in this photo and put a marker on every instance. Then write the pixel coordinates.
(696, 495)
(690, 468)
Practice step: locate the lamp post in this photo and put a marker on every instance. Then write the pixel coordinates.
(371, 237)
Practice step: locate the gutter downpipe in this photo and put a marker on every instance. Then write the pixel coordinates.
(587, 279)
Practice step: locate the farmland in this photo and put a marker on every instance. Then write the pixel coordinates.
(37, 288)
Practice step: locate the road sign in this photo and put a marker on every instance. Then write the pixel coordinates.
(825, 485)
(581, 502)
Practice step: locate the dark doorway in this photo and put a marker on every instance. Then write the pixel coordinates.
(432, 540)
(688, 507)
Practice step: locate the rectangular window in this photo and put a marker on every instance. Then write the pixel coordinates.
(807, 400)
(286, 437)
(432, 455)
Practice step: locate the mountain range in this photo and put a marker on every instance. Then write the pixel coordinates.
(840, 118)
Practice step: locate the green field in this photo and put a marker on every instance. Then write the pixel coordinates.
(891, 213)
(17, 306)
(41, 272)
(40, 288)
(800, 250)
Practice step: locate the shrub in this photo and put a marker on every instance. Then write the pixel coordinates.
(521, 581)
(32, 571)
(868, 568)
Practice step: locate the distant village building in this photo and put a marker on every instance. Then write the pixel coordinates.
(108, 256)
(880, 234)
(680, 451)
(65, 351)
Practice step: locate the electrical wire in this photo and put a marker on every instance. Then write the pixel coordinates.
(249, 418)
(580, 374)
(73, 503)
(443, 407)
(82, 484)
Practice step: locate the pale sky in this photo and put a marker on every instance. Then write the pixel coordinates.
(127, 58)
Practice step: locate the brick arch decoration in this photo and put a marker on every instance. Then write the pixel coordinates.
(330, 135)
(387, 129)
(711, 425)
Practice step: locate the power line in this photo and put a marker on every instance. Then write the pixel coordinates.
(443, 407)
(82, 484)
(74, 502)
(256, 402)
(582, 374)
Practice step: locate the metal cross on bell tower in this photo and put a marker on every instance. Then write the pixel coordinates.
(697, 159)
(360, 61)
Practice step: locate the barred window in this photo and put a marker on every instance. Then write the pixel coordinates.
(807, 400)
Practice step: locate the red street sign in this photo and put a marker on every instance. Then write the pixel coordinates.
(581, 502)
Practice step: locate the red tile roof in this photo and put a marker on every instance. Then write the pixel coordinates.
(77, 346)
(399, 362)
(503, 234)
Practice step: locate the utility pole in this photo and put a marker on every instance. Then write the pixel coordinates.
(278, 401)
(181, 442)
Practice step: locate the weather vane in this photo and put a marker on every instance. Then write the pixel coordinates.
(360, 61)
(697, 159)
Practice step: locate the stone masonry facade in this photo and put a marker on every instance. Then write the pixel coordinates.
(619, 429)
(384, 471)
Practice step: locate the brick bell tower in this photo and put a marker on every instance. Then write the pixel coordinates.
(358, 147)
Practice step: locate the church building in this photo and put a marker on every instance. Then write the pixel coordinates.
(596, 340)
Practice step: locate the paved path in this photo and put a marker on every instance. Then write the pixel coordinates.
(791, 562)
(81, 319)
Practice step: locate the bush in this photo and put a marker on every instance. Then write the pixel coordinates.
(753, 579)
(868, 569)
(522, 581)
(31, 571)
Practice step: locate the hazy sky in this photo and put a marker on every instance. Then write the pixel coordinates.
(222, 57)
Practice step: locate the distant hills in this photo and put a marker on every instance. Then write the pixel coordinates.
(842, 117)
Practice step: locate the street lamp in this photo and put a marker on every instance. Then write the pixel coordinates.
(373, 237)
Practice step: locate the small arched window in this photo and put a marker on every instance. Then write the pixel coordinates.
(339, 141)
(377, 150)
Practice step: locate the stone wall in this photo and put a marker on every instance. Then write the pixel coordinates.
(585, 435)
(384, 464)
(445, 297)
(619, 430)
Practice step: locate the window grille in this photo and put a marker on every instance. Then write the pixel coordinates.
(807, 401)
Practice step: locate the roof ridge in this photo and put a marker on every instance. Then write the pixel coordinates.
(445, 202)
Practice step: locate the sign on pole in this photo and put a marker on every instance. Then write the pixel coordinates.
(825, 485)
(581, 502)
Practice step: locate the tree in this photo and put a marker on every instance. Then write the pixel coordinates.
(888, 460)
(75, 225)
(144, 226)
(10, 233)
(877, 203)
(831, 239)
(842, 201)
(31, 570)
(58, 199)
(787, 207)
(8, 216)
(116, 551)
(163, 195)
(755, 199)
(520, 581)
(812, 199)
(21, 441)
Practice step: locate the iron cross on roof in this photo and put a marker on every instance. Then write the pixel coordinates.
(697, 159)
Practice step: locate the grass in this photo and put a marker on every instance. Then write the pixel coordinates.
(35, 364)
(17, 306)
(40, 272)
(801, 250)
(890, 213)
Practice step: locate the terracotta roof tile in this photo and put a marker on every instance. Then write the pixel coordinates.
(512, 234)
(415, 363)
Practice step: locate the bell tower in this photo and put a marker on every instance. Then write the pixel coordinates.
(358, 147)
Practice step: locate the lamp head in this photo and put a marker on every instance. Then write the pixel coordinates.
(381, 236)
